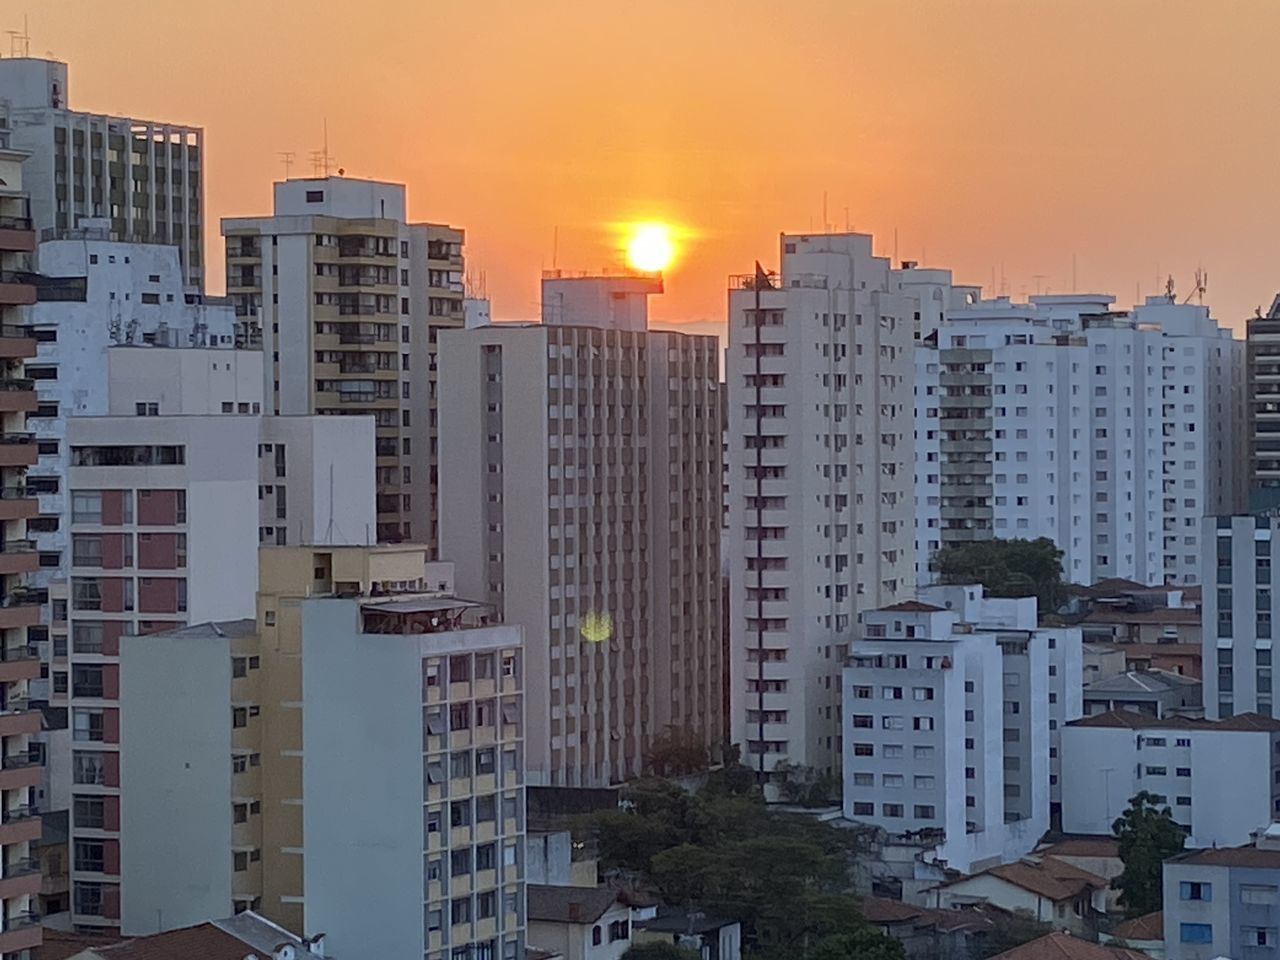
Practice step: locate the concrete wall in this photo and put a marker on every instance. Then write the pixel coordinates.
(175, 757)
(184, 380)
(363, 784)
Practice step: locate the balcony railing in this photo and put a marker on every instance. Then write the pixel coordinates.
(21, 867)
(19, 921)
(17, 276)
(19, 331)
(20, 761)
(20, 384)
(18, 814)
(15, 223)
(15, 493)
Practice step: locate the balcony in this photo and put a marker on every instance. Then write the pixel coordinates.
(14, 723)
(17, 235)
(18, 503)
(19, 663)
(21, 931)
(22, 877)
(16, 288)
(16, 342)
(19, 609)
(19, 824)
(18, 556)
(19, 770)
(18, 395)
(17, 449)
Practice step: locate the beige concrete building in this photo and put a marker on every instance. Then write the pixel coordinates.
(362, 685)
(347, 298)
(580, 462)
(19, 606)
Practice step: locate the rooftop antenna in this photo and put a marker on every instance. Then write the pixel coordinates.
(20, 42)
(1037, 277)
(321, 161)
(1074, 287)
(286, 157)
(555, 247)
(826, 224)
(895, 247)
(1168, 289)
(1202, 284)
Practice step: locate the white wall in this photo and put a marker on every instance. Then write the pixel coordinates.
(363, 783)
(175, 757)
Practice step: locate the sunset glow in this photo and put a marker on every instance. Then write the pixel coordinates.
(651, 248)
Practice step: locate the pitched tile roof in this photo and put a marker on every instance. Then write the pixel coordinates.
(1140, 681)
(912, 606)
(1063, 946)
(61, 944)
(1133, 720)
(561, 904)
(1047, 877)
(201, 942)
(1082, 846)
(1149, 926)
(1245, 856)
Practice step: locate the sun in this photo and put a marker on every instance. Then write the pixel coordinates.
(651, 247)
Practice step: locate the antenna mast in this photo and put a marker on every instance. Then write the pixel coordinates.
(286, 157)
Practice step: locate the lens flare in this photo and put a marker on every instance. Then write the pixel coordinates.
(651, 247)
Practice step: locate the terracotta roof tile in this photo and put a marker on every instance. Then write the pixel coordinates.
(1140, 721)
(1081, 847)
(1063, 946)
(563, 904)
(1149, 926)
(912, 606)
(201, 942)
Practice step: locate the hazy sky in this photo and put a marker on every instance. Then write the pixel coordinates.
(996, 136)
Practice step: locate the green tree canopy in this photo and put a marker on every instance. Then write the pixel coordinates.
(1011, 931)
(1148, 836)
(1007, 568)
(863, 944)
(657, 950)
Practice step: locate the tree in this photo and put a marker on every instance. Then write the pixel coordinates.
(676, 752)
(1148, 836)
(658, 950)
(1010, 931)
(1007, 568)
(864, 944)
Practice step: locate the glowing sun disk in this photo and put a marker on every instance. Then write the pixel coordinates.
(651, 248)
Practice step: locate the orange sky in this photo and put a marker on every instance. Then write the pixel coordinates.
(999, 135)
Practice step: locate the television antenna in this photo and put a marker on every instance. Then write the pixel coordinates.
(321, 160)
(286, 157)
(1202, 284)
(20, 41)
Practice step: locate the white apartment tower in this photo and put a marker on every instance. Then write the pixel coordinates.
(347, 298)
(819, 375)
(946, 734)
(1110, 433)
(145, 178)
(580, 461)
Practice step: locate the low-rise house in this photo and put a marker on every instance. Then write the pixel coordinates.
(236, 938)
(1048, 889)
(1224, 901)
(1152, 692)
(712, 938)
(1182, 659)
(1144, 933)
(1063, 946)
(1102, 661)
(1097, 854)
(925, 933)
(1220, 778)
(578, 923)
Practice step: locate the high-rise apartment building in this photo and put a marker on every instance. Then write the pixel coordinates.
(1241, 601)
(1008, 618)
(1262, 339)
(164, 533)
(819, 374)
(347, 298)
(145, 178)
(364, 685)
(1111, 433)
(946, 733)
(580, 461)
(20, 773)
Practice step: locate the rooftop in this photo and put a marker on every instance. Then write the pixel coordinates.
(561, 904)
(214, 630)
(1141, 681)
(1063, 946)
(912, 606)
(61, 944)
(1132, 720)
(1047, 877)
(885, 912)
(679, 920)
(230, 939)
(1248, 855)
(1149, 926)
(1082, 846)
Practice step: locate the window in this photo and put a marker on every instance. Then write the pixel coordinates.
(1190, 890)
(619, 930)
(86, 506)
(315, 196)
(864, 809)
(460, 910)
(923, 723)
(87, 724)
(1259, 936)
(1257, 893)
(1195, 933)
(1157, 771)
(89, 812)
(891, 809)
(597, 935)
(924, 811)
(89, 855)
